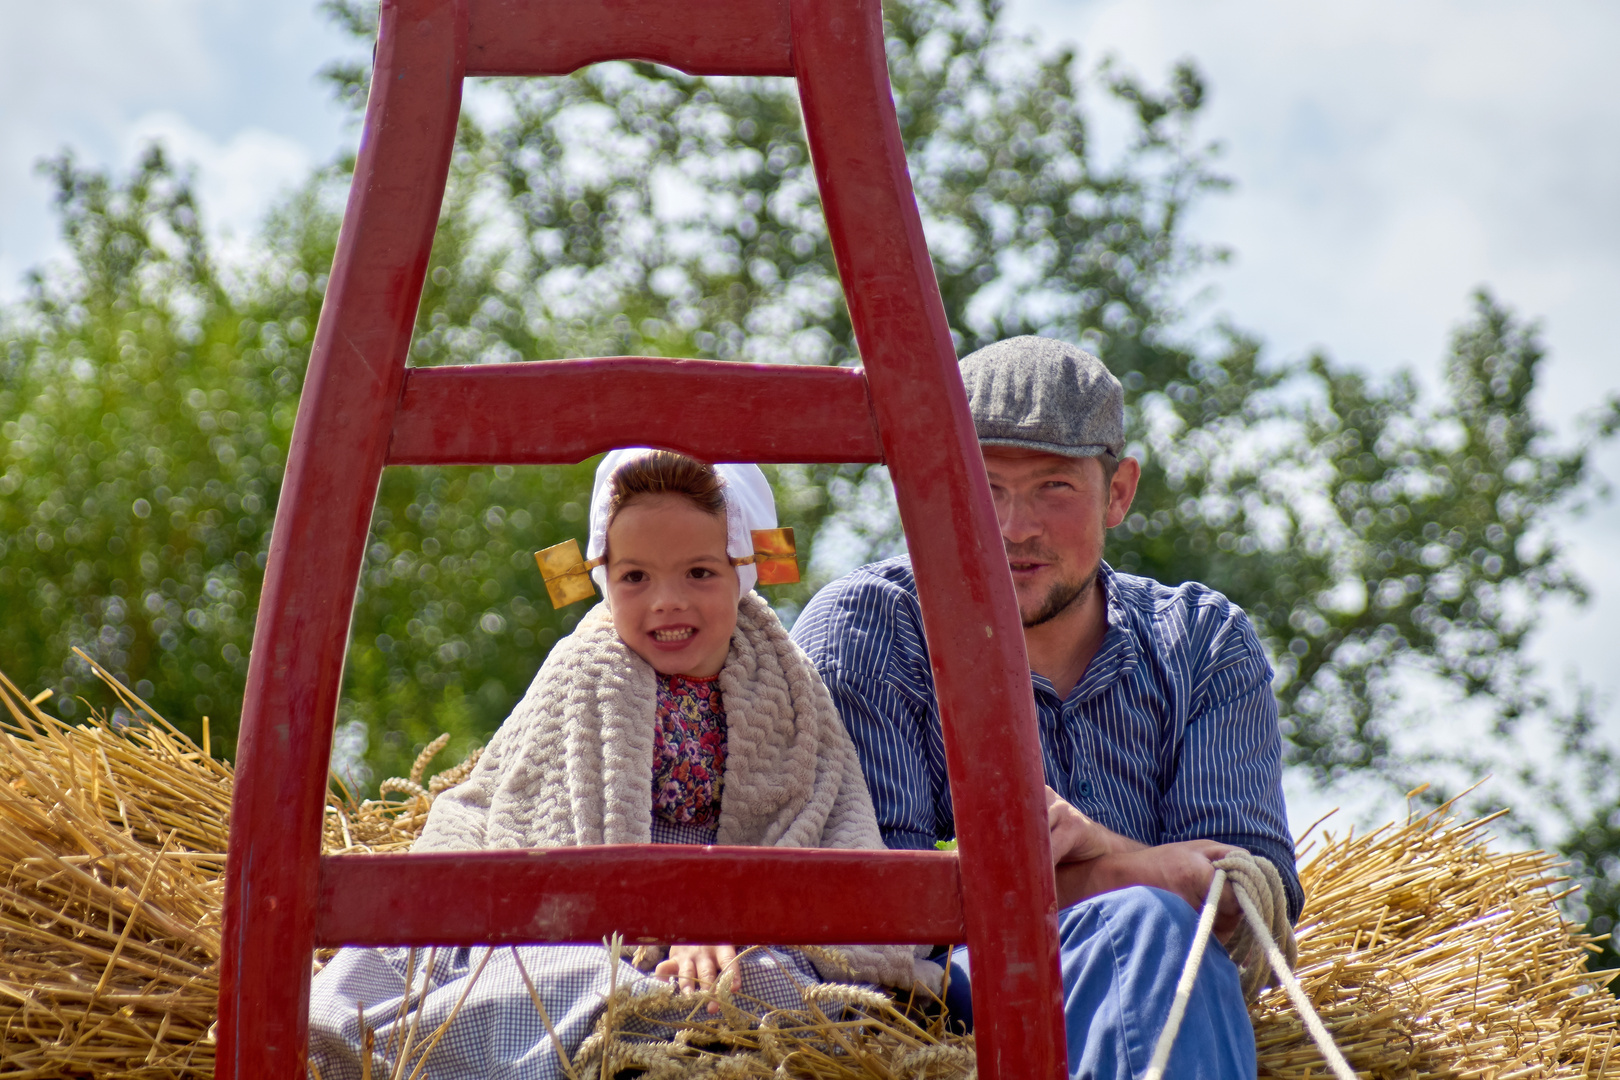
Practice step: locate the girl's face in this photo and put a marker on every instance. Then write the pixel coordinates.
(670, 586)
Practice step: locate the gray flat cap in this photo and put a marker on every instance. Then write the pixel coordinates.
(1040, 394)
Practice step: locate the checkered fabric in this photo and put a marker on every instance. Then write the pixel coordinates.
(495, 1033)
(478, 996)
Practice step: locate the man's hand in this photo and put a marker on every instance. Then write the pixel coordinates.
(1075, 837)
(695, 967)
(1089, 860)
(1185, 869)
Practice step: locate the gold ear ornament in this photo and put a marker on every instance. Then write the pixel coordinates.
(567, 573)
(775, 557)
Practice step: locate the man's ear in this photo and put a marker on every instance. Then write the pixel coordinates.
(1122, 490)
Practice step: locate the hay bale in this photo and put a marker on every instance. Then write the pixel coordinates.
(1427, 953)
(113, 838)
(109, 910)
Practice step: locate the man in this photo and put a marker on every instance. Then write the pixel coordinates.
(1158, 727)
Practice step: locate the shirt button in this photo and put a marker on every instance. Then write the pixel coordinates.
(1085, 789)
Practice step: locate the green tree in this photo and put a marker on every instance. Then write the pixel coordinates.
(146, 421)
(1593, 848)
(149, 402)
(1373, 531)
(700, 234)
(1376, 533)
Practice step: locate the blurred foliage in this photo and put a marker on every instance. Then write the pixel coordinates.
(1371, 530)
(1593, 849)
(145, 419)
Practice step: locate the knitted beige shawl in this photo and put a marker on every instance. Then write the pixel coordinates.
(572, 765)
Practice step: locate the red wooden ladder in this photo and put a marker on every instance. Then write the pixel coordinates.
(363, 408)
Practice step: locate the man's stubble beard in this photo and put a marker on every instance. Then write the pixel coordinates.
(1060, 598)
(1063, 595)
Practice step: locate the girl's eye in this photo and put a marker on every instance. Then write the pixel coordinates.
(633, 577)
(701, 572)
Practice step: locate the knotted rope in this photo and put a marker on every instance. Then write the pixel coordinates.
(1264, 933)
(1259, 880)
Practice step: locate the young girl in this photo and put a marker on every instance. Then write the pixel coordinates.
(676, 712)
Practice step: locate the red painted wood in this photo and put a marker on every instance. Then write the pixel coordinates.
(345, 416)
(660, 893)
(274, 879)
(563, 411)
(975, 641)
(699, 37)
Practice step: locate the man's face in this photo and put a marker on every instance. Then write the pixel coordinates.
(1054, 512)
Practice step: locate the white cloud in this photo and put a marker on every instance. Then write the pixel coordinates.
(1390, 157)
(236, 180)
(233, 79)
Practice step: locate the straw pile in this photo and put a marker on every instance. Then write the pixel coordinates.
(841, 1032)
(109, 910)
(113, 839)
(1427, 953)
(381, 825)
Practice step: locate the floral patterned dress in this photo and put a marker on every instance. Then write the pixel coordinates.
(689, 752)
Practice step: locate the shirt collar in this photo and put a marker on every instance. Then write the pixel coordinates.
(1116, 655)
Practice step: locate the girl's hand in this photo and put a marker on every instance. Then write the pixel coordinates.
(696, 967)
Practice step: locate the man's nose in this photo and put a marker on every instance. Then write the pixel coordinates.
(1018, 522)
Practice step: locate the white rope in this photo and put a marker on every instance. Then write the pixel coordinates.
(1260, 881)
(1296, 993)
(1189, 975)
(1264, 936)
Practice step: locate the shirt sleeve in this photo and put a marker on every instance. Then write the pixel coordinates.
(1228, 787)
(864, 637)
(891, 734)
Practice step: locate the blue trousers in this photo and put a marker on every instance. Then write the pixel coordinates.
(1122, 954)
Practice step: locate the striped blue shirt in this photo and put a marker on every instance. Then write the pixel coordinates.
(1171, 734)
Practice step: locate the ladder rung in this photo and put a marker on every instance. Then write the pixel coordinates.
(699, 37)
(563, 411)
(648, 893)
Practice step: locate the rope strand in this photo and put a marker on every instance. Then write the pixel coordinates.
(1247, 872)
(1296, 993)
(1189, 976)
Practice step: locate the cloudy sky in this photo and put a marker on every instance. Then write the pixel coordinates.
(1390, 156)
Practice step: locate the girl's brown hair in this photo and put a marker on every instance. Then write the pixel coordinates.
(664, 472)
